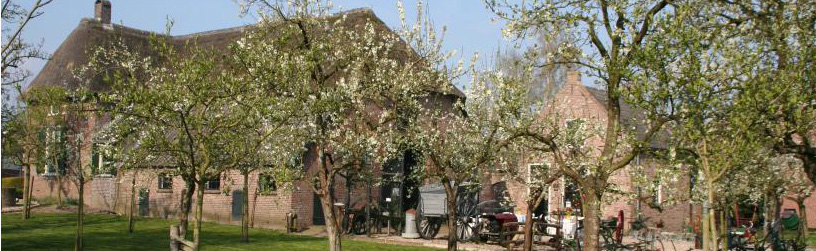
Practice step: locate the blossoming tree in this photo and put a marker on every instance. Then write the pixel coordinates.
(182, 111)
(614, 37)
(356, 83)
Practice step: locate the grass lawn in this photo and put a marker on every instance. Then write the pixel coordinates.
(56, 231)
(811, 239)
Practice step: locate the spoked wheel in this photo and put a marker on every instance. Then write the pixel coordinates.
(427, 226)
(467, 228)
(467, 221)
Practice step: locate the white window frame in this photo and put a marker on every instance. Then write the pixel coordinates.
(162, 177)
(100, 155)
(52, 136)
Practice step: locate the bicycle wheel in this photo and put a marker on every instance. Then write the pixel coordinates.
(662, 248)
(674, 248)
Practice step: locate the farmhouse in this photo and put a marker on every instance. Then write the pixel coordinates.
(158, 195)
(678, 214)
(576, 101)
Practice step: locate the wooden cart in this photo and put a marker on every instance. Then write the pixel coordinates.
(432, 211)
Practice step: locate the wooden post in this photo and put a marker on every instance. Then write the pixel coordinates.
(174, 232)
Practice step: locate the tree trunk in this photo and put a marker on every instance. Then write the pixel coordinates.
(59, 189)
(803, 217)
(809, 163)
(771, 213)
(245, 210)
(776, 210)
(198, 213)
(346, 224)
(528, 226)
(766, 227)
(80, 215)
(450, 199)
(706, 228)
(186, 205)
(592, 219)
(332, 229)
(254, 206)
(132, 202)
(723, 230)
(712, 217)
(29, 193)
(26, 189)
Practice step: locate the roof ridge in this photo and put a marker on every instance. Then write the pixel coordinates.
(136, 31)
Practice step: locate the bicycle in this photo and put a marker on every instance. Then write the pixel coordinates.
(772, 240)
(646, 241)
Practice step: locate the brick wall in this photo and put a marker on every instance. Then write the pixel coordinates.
(810, 206)
(675, 214)
(575, 101)
(48, 186)
(101, 193)
(268, 210)
(113, 193)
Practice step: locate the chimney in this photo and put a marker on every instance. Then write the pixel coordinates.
(103, 11)
(573, 76)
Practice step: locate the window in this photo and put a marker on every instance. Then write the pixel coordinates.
(165, 181)
(213, 184)
(657, 193)
(572, 194)
(660, 193)
(53, 138)
(101, 162)
(502, 195)
(537, 172)
(267, 184)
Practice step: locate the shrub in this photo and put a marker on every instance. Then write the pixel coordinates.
(71, 201)
(49, 200)
(13, 182)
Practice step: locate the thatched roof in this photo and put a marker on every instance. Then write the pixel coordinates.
(90, 34)
(632, 116)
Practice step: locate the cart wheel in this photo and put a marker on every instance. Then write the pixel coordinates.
(467, 222)
(467, 228)
(427, 226)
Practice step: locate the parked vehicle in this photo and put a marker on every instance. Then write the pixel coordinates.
(493, 221)
(432, 211)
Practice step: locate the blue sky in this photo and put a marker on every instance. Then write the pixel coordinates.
(468, 22)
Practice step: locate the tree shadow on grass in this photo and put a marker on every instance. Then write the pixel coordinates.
(14, 223)
(109, 232)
